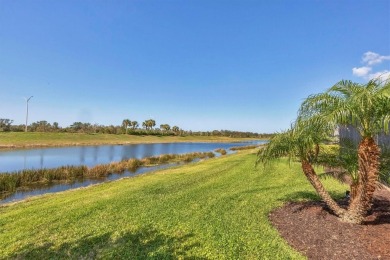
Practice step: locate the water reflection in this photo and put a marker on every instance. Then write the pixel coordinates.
(16, 160)
(82, 155)
(41, 159)
(111, 152)
(95, 154)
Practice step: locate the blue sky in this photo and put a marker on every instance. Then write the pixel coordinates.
(202, 65)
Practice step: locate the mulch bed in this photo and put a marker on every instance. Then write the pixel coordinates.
(311, 229)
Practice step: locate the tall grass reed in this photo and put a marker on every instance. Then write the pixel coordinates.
(11, 181)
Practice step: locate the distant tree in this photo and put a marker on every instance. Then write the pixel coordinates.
(216, 133)
(149, 124)
(97, 128)
(81, 127)
(56, 126)
(5, 124)
(18, 128)
(126, 123)
(40, 126)
(76, 126)
(134, 125)
(176, 129)
(165, 127)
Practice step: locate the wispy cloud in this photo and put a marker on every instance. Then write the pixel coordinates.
(384, 75)
(370, 59)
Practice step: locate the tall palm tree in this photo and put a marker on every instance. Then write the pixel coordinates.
(126, 123)
(151, 123)
(145, 124)
(302, 142)
(134, 124)
(365, 107)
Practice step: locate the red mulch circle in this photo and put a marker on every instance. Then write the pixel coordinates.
(310, 228)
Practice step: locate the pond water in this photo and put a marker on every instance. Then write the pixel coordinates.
(15, 160)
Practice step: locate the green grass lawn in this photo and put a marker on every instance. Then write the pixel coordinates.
(17, 139)
(214, 209)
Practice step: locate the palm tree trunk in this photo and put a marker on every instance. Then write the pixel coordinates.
(368, 156)
(354, 190)
(316, 183)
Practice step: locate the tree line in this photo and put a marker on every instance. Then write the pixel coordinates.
(147, 127)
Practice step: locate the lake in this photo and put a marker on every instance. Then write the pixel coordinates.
(16, 160)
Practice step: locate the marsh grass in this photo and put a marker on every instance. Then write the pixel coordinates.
(10, 182)
(133, 164)
(98, 171)
(221, 151)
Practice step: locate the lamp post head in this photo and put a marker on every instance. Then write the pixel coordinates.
(28, 99)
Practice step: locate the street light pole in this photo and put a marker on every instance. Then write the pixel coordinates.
(27, 112)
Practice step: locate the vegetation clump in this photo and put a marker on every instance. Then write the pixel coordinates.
(221, 151)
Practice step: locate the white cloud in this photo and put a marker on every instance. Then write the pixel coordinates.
(371, 58)
(362, 71)
(383, 75)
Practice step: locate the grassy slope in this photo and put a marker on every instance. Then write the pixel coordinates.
(13, 139)
(215, 209)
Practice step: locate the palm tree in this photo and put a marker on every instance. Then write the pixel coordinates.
(126, 123)
(145, 125)
(134, 125)
(365, 107)
(175, 129)
(302, 142)
(151, 123)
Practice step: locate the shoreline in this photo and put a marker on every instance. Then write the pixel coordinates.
(50, 142)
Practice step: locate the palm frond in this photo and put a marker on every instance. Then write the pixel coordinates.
(281, 145)
(300, 142)
(365, 107)
(344, 89)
